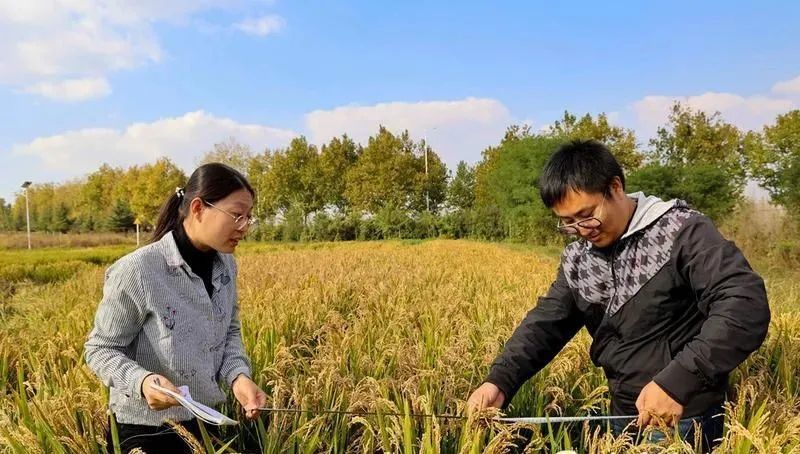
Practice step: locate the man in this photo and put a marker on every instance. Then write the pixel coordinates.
(672, 307)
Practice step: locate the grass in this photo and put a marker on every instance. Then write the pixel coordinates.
(386, 327)
(19, 240)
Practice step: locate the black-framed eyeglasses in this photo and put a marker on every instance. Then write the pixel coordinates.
(241, 222)
(589, 223)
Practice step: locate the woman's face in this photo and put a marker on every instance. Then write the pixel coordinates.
(216, 224)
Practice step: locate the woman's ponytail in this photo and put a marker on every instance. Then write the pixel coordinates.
(170, 215)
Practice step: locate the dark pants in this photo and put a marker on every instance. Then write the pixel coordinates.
(710, 423)
(154, 440)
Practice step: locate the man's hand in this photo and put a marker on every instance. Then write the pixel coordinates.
(656, 406)
(487, 395)
(157, 400)
(249, 395)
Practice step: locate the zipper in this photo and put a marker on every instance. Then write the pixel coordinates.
(613, 273)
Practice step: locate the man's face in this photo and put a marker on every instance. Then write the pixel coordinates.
(598, 218)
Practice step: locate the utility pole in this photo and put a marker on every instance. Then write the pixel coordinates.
(427, 181)
(25, 186)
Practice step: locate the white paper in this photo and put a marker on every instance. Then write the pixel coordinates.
(201, 411)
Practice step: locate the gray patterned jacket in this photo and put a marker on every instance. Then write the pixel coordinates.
(672, 301)
(156, 317)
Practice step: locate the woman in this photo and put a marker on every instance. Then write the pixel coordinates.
(169, 315)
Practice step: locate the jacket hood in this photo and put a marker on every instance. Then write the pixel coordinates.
(648, 210)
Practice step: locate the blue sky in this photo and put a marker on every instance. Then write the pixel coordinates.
(127, 82)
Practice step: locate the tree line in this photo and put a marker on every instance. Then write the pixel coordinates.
(395, 187)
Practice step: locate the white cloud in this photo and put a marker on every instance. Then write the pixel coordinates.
(72, 89)
(787, 87)
(262, 26)
(51, 41)
(457, 130)
(746, 112)
(183, 139)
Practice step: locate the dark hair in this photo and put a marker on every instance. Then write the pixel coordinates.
(580, 165)
(211, 182)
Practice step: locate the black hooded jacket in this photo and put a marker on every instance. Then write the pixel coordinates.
(672, 301)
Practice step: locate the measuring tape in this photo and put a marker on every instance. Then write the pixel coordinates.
(521, 420)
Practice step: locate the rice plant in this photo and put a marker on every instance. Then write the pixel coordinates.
(396, 331)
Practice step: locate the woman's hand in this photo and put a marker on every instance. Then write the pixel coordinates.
(156, 399)
(249, 395)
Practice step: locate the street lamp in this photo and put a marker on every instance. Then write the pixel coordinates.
(27, 211)
(427, 182)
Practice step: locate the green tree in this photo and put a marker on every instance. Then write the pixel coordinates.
(774, 159)
(336, 159)
(705, 187)
(507, 197)
(122, 218)
(391, 172)
(60, 219)
(621, 141)
(41, 199)
(6, 220)
(431, 187)
(384, 175)
(459, 222)
(292, 179)
(696, 157)
(97, 193)
(18, 213)
(257, 173)
(461, 192)
(692, 138)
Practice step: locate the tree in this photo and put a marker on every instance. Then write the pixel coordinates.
(516, 133)
(292, 179)
(231, 153)
(257, 173)
(705, 187)
(60, 219)
(41, 198)
(384, 174)
(698, 158)
(96, 194)
(431, 178)
(18, 213)
(692, 138)
(621, 141)
(507, 197)
(336, 159)
(6, 222)
(774, 160)
(150, 186)
(461, 192)
(122, 218)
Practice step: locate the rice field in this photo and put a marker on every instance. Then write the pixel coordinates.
(381, 327)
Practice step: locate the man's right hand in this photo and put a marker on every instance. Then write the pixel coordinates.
(487, 395)
(156, 399)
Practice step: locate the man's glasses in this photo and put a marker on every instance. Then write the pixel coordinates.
(590, 223)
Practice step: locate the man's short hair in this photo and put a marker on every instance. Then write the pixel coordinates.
(581, 165)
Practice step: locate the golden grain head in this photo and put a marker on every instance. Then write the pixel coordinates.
(378, 328)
